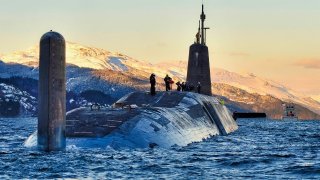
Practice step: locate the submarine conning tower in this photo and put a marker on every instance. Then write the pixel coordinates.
(198, 63)
(52, 93)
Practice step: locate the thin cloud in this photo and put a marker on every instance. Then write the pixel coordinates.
(309, 63)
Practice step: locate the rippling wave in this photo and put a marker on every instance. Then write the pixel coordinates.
(260, 149)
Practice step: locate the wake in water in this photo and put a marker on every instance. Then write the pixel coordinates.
(260, 149)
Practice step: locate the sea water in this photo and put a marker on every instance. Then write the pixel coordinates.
(259, 149)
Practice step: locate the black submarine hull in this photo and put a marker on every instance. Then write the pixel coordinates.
(142, 120)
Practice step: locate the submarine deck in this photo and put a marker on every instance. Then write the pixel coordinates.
(84, 122)
(176, 107)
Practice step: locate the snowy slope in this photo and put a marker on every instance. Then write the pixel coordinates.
(88, 57)
(28, 102)
(81, 56)
(250, 83)
(253, 84)
(316, 97)
(99, 59)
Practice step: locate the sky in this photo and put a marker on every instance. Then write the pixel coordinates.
(276, 39)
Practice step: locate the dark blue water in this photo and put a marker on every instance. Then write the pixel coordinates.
(260, 149)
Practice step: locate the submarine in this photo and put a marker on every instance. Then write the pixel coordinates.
(141, 120)
(137, 120)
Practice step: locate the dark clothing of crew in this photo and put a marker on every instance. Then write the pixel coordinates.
(153, 84)
(167, 80)
(183, 86)
(178, 86)
(189, 87)
(199, 88)
(186, 86)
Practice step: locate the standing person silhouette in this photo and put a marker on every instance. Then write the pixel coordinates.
(167, 80)
(199, 88)
(178, 86)
(153, 84)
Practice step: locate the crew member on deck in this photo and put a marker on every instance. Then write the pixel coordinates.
(167, 81)
(198, 36)
(183, 86)
(178, 86)
(153, 84)
(199, 87)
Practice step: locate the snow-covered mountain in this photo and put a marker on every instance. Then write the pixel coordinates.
(27, 101)
(250, 83)
(254, 84)
(100, 60)
(81, 56)
(316, 97)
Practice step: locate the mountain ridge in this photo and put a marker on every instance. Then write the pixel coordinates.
(101, 60)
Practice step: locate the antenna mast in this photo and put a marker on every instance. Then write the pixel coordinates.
(202, 17)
